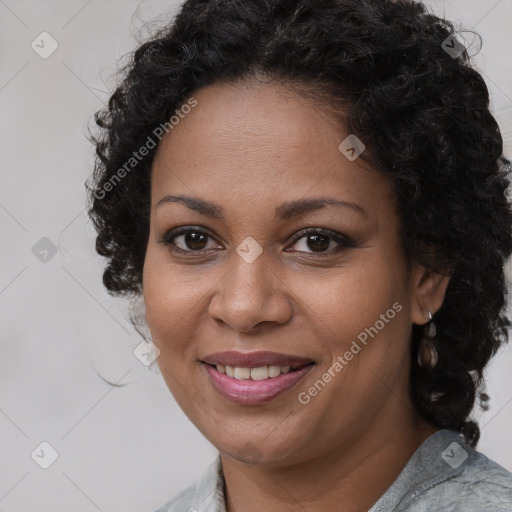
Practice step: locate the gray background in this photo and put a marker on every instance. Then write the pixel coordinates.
(127, 448)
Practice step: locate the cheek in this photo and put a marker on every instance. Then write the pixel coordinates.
(165, 300)
(369, 310)
(162, 296)
(363, 311)
(367, 354)
(348, 300)
(173, 297)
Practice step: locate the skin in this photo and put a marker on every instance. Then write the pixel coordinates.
(249, 148)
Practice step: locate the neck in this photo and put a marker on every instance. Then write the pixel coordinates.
(353, 476)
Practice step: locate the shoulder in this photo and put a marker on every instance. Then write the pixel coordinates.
(447, 475)
(474, 483)
(482, 485)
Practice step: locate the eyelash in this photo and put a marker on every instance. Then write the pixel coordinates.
(344, 242)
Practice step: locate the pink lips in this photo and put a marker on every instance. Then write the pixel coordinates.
(250, 392)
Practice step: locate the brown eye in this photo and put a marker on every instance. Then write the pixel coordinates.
(194, 240)
(188, 240)
(321, 241)
(318, 242)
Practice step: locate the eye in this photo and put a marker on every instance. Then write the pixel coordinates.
(187, 239)
(320, 241)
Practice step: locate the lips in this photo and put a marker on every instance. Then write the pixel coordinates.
(244, 390)
(255, 359)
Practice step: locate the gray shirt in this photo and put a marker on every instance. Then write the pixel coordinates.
(443, 475)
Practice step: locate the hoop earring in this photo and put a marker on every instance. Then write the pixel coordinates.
(427, 354)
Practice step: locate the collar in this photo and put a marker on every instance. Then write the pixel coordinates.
(442, 456)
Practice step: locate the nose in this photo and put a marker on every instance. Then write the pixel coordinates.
(251, 294)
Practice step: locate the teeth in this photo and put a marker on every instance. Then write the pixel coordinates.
(274, 371)
(260, 373)
(242, 373)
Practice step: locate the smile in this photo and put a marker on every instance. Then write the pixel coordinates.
(252, 378)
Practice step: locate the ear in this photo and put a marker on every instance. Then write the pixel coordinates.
(428, 289)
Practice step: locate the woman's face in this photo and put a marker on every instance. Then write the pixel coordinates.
(291, 257)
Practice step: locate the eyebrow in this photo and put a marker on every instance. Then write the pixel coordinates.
(284, 211)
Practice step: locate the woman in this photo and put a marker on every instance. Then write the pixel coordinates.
(310, 197)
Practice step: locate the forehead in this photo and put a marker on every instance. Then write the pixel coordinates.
(261, 141)
(245, 120)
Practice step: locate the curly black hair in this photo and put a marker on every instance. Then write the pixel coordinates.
(384, 67)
